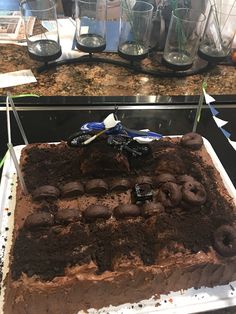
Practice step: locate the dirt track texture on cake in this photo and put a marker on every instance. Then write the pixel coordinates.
(172, 231)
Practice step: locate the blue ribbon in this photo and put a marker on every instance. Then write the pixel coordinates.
(226, 133)
(213, 110)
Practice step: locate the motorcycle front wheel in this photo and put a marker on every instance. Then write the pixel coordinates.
(77, 139)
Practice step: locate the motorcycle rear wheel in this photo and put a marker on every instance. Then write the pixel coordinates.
(77, 139)
(140, 150)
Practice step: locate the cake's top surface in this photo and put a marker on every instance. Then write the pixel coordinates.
(97, 209)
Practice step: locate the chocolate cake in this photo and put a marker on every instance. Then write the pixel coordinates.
(101, 226)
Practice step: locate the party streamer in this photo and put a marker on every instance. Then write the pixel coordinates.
(219, 122)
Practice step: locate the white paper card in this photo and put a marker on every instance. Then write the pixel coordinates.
(17, 78)
(66, 28)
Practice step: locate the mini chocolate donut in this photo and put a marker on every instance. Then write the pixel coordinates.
(67, 215)
(126, 211)
(46, 192)
(96, 187)
(39, 219)
(151, 209)
(184, 178)
(72, 189)
(144, 180)
(163, 178)
(94, 212)
(194, 193)
(225, 240)
(170, 194)
(120, 185)
(192, 140)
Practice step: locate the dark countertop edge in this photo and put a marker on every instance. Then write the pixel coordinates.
(113, 100)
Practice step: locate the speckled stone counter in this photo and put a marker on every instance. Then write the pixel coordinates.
(108, 80)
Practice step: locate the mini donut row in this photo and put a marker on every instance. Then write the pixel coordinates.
(92, 213)
(92, 187)
(183, 189)
(173, 190)
(170, 194)
(187, 192)
(224, 237)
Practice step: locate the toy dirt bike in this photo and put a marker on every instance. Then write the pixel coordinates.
(132, 141)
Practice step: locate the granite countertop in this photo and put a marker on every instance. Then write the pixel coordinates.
(109, 80)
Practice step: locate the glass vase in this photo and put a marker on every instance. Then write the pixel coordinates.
(219, 33)
(90, 17)
(185, 30)
(41, 29)
(135, 29)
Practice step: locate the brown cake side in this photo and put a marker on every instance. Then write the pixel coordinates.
(100, 227)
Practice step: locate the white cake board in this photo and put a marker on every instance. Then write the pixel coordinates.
(181, 302)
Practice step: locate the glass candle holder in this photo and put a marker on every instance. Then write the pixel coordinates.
(41, 29)
(135, 29)
(219, 33)
(182, 42)
(90, 16)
